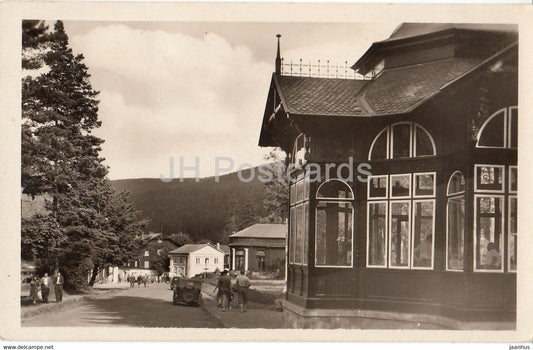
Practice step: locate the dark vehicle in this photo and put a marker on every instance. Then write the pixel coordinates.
(187, 290)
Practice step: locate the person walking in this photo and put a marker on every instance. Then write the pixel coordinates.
(224, 288)
(58, 286)
(139, 280)
(45, 287)
(34, 289)
(243, 283)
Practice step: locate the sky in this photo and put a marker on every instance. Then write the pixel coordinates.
(191, 89)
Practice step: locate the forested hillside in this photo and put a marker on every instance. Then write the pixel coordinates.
(204, 210)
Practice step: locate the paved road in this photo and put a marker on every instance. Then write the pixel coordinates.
(136, 307)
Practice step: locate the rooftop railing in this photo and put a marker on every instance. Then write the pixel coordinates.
(320, 69)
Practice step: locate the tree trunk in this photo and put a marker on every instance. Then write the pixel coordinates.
(96, 269)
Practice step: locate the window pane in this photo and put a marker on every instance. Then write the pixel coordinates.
(292, 235)
(306, 187)
(423, 234)
(489, 233)
(513, 124)
(493, 132)
(424, 185)
(456, 229)
(334, 189)
(378, 187)
(300, 190)
(399, 234)
(489, 178)
(513, 179)
(293, 193)
(401, 185)
(456, 184)
(334, 234)
(377, 236)
(299, 150)
(401, 141)
(512, 233)
(298, 242)
(424, 147)
(379, 151)
(306, 232)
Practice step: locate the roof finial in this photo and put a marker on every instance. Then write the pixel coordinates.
(278, 57)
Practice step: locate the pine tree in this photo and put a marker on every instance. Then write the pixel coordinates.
(276, 202)
(87, 225)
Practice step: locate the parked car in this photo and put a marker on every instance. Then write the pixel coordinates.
(25, 286)
(187, 290)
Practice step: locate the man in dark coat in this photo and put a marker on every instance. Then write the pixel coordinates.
(58, 286)
(224, 288)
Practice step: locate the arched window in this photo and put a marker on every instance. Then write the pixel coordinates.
(500, 130)
(298, 150)
(455, 228)
(334, 225)
(402, 140)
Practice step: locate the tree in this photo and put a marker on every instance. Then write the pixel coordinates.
(276, 202)
(87, 225)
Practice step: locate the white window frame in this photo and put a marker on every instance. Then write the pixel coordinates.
(412, 256)
(509, 180)
(460, 195)
(293, 160)
(450, 181)
(387, 155)
(492, 116)
(296, 230)
(197, 261)
(433, 195)
(502, 197)
(476, 189)
(146, 253)
(389, 253)
(334, 198)
(370, 177)
(386, 202)
(410, 186)
(305, 204)
(389, 130)
(416, 126)
(391, 152)
(509, 127)
(509, 232)
(352, 239)
(455, 195)
(146, 264)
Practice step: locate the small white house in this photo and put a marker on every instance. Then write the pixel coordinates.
(193, 259)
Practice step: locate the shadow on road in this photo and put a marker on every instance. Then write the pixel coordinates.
(147, 312)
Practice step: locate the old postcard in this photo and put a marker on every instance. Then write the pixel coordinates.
(206, 171)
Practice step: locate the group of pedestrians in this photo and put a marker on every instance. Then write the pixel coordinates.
(139, 280)
(226, 288)
(44, 284)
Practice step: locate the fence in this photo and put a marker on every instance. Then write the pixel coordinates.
(320, 69)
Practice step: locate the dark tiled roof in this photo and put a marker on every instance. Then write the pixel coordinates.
(394, 91)
(263, 231)
(399, 90)
(408, 30)
(320, 96)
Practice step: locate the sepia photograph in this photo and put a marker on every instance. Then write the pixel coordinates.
(203, 174)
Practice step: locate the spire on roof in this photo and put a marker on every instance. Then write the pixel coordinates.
(278, 57)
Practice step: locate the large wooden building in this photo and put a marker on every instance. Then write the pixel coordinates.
(403, 202)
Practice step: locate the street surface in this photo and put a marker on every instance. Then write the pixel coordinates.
(136, 307)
